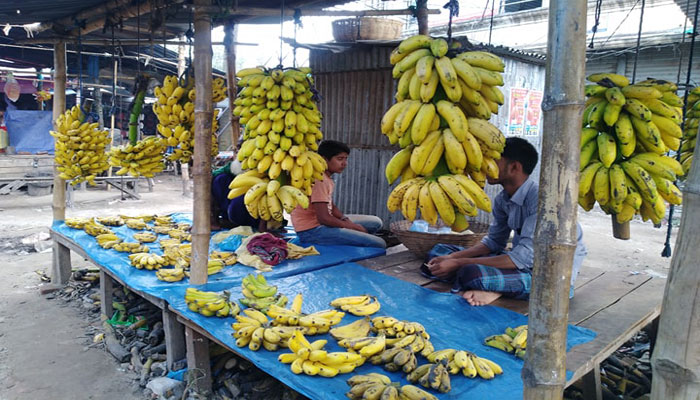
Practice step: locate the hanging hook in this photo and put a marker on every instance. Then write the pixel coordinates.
(453, 7)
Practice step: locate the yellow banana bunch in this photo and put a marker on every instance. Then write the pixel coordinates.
(110, 220)
(690, 128)
(282, 127)
(377, 386)
(130, 247)
(94, 229)
(208, 304)
(145, 237)
(627, 130)
(268, 198)
(77, 223)
(148, 261)
(357, 305)
(171, 274)
(228, 257)
(311, 359)
(143, 159)
(79, 148)
(107, 240)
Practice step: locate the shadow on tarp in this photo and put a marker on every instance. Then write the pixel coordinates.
(451, 322)
(145, 281)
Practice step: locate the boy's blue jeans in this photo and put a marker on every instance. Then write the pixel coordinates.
(348, 237)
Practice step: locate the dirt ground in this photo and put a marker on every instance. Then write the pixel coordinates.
(45, 352)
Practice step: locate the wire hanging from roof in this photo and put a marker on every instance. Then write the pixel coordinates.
(493, 8)
(639, 41)
(598, 6)
(281, 32)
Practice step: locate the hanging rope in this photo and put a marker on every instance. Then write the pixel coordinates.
(493, 7)
(639, 41)
(667, 245)
(281, 33)
(297, 24)
(138, 37)
(598, 6)
(79, 98)
(453, 7)
(114, 84)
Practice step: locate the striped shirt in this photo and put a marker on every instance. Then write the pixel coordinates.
(518, 213)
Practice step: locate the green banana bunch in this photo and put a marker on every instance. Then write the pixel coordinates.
(690, 129)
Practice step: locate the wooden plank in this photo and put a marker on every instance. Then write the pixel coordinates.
(383, 262)
(586, 275)
(198, 360)
(408, 272)
(591, 385)
(519, 306)
(175, 346)
(61, 267)
(438, 286)
(123, 189)
(615, 325)
(602, 292)
(106, 287)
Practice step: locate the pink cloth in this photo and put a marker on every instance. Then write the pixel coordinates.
(270, 249)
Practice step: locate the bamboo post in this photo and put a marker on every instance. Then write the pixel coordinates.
(422, 17)
(184, 167)
(230, 29)
(61, 267)
(676, 358)
(203, 113)
(544, 372)
(620, 230)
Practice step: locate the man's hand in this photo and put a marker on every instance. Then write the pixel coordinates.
(357, 227)
(443, 266)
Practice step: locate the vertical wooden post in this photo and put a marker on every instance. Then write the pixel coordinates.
(422, 17)
(175, 346)
(198, 359)
(203, 113)
(230, 30)
(106, 288)
(676, 358)
(61, 254)
(184, 167)
(544, 372)
(620, 230)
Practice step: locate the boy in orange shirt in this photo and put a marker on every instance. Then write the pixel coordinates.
(322, 222)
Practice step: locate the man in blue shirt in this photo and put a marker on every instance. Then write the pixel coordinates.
(486, 271)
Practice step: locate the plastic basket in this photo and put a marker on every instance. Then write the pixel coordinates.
(420, 243)
(366, 28)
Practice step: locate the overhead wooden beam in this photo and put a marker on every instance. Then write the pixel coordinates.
(123, 42)
(544, 371)
(87, 13)
(201, 171)
(310, 12)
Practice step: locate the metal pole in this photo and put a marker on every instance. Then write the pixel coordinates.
(544, 372)
(203, 112)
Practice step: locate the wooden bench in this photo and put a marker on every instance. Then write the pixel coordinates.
(615, 305)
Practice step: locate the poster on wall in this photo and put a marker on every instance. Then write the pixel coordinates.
(524, 113)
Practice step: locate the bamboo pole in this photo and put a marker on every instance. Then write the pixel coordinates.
(203, 113)
(544, 372)
(676, 358)
(422, 17)
(310, 12)
(184, 167)
(230, 48)
(89, 12)
(59, 107)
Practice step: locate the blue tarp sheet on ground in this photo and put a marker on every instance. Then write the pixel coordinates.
(451, 322)
(146, 281)
(29, 130)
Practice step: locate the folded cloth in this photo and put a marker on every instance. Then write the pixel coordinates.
(270, 249)
(296, 252)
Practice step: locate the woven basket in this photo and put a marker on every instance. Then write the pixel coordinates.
(366, 28)
(420, 243)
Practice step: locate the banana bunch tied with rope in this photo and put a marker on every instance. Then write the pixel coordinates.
(379, 386)
(267, 198)
(690, 129)
(174, 108)
(107, 240)
(147, 261)
(92, 228)
(456, 361)
(627, 131)
(513, 341)
(438, 90)
(451, 197)
(210, 304)
(258, 294)
(79, 147)
(145, 158)
(282, 125)
(310, 358)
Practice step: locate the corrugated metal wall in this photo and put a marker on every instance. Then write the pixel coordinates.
(356, 89)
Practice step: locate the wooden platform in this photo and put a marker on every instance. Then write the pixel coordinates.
(616, 305)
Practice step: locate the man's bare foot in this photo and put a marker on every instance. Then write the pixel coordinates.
(480, 297)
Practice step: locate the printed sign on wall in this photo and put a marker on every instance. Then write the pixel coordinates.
(525, 111)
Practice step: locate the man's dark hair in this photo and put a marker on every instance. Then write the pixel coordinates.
(520, 150)
(331, 148)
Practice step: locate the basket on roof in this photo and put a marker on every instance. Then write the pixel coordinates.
(366, 28)
(420, 243)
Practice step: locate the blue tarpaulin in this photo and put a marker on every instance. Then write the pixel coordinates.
(449, 319)
(29, 130)
(145, 281)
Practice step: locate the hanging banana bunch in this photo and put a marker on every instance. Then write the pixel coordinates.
(627, 130)
(174, 108)
(79, 148)
(282, 130)
(444, 100)
(690, 129)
